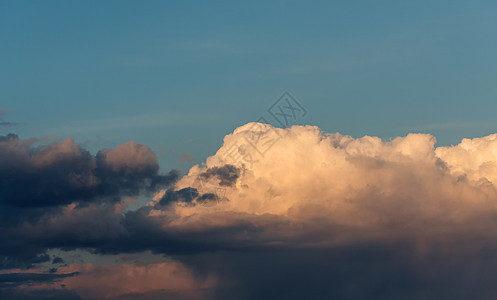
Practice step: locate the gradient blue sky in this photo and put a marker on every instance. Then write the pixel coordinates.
(179, 76)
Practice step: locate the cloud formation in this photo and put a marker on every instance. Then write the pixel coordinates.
(59, 194)
(345, 218)
(63, 173)
(413, 208)
(309, 175)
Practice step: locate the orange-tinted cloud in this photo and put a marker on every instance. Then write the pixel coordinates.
(109, 281)
(317, 180)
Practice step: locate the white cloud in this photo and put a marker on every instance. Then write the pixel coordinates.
(327, 181)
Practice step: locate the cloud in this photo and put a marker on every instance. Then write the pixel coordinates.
(475, 159)
(312, 215)
(5, 123)
(227, 174)
(132, 280)
(130, 159)
(313, 193)
(2, 122)
(16, 279)
(64, 173)
(59, 194)
(308, 175)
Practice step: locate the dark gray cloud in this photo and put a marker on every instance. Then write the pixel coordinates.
(251, 266)
(57, 260)
(63, 173)
(37, 182)
(389, 270)
(16, 279)
(26, 294)
(186, 195)
(227, 174)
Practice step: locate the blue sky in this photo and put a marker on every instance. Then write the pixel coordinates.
(179, 76)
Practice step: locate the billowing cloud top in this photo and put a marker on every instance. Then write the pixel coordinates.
(308, 175)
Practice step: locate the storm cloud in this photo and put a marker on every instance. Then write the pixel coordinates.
(61, 192)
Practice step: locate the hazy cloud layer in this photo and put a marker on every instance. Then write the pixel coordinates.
(2, 121)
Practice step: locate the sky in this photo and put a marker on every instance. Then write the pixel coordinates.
(178, 76)
(248, 150)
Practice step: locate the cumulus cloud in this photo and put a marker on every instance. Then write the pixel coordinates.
(403, 208)
(343, 217)
(63, 173)
(130, 159)
(61, 194)
(310, 176)
(473, 159)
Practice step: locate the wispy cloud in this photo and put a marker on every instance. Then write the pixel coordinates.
(5, 123)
